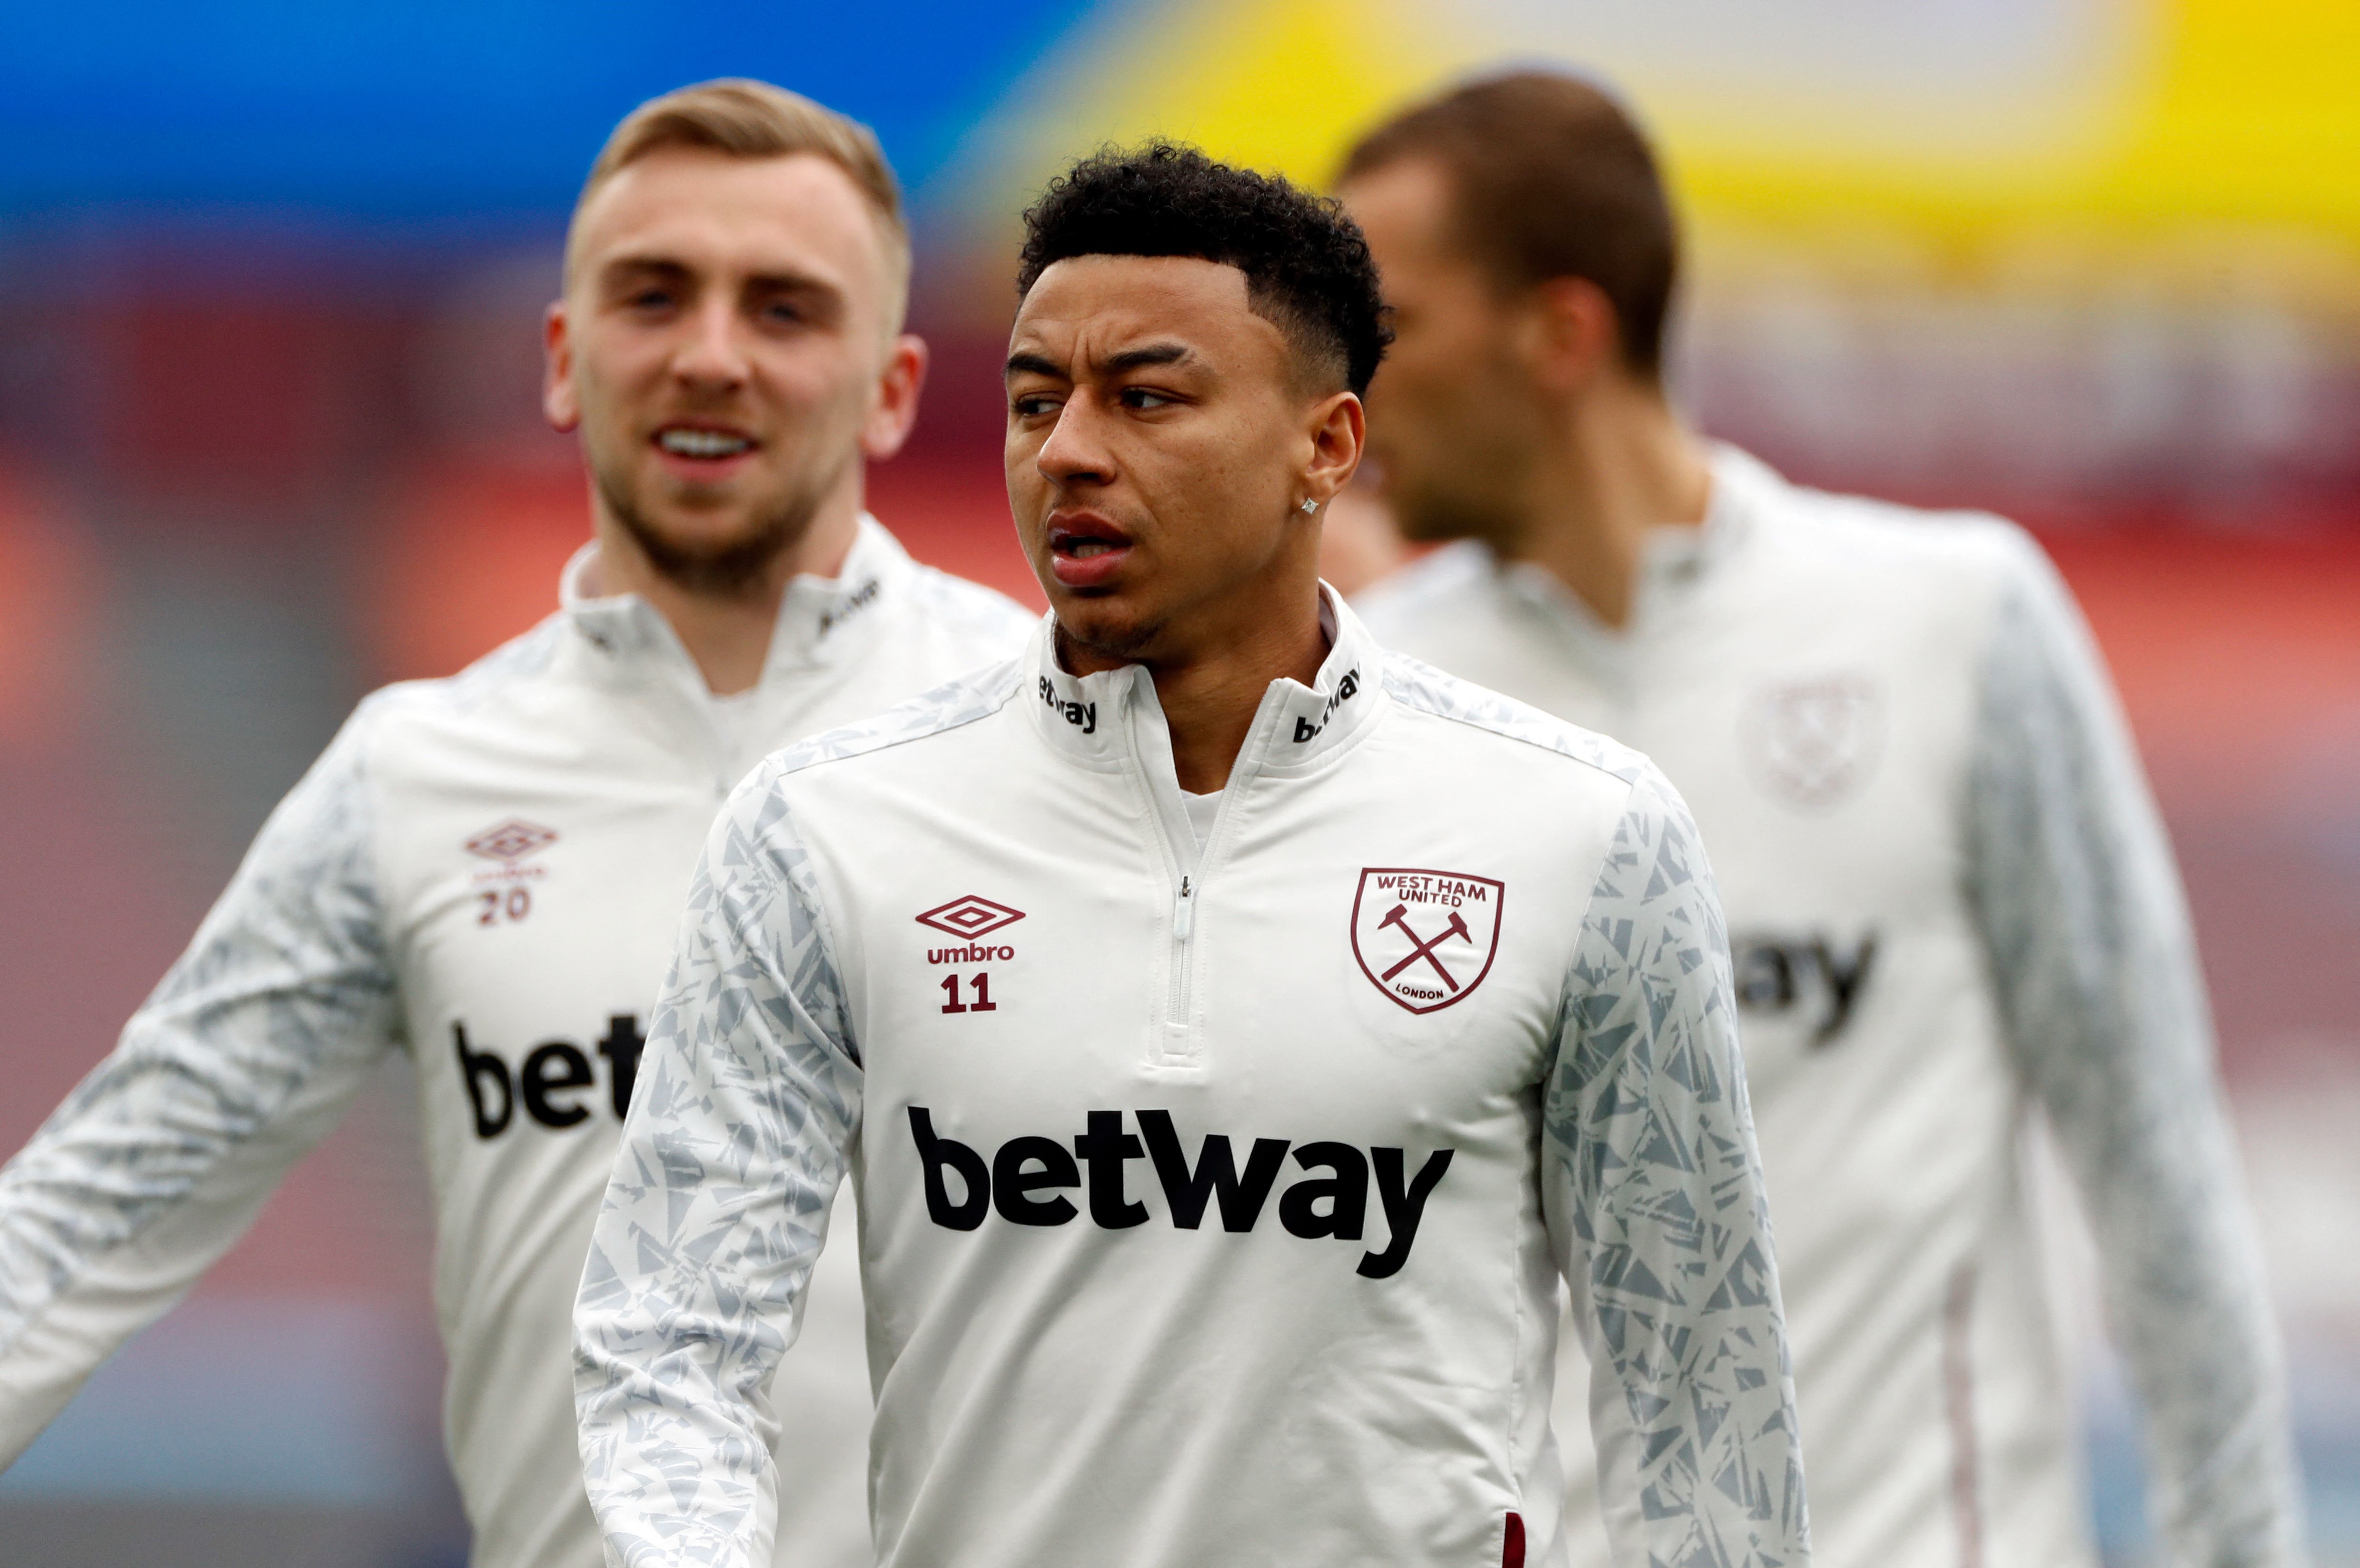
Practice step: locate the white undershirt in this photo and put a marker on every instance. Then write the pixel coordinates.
(1200, 813)
(736, 713)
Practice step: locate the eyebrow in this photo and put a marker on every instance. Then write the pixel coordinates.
(1153, 355)
(663, 266)
(1130, 359)
(625, 265)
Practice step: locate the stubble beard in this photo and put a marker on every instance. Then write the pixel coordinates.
(1474, 493)
(727, 568)
(1428, 514)
(1116, 645)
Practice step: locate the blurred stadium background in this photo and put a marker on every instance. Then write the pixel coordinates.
(269, 280)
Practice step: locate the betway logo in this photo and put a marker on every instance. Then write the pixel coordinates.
(1780, 974)
(1304, 730)
(1331, 1203)
(860, 599)
(550, 1079)
(1083, 716)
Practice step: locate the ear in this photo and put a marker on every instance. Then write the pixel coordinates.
(1338, 431)
(892, 417)
(1575, 339)
(557, 400)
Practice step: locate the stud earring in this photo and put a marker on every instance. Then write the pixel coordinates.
(1310, 505)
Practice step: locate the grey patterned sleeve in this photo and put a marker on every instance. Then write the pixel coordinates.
(239, 1063)
(2080, 905)
(748, 1100)
(1654, 1190)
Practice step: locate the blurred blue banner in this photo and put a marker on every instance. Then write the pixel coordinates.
(436, 108)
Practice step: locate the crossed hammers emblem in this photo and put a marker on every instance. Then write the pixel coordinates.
(1420, 947)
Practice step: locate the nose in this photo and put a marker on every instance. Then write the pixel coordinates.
(1075, 452)
(709, 355)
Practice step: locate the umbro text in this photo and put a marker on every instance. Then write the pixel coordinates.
(976, 952)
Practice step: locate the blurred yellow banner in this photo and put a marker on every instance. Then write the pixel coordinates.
(1960, 123)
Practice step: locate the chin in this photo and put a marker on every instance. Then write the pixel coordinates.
(1431, 517)
(723, 549)
(701, 532)
(1105, 624)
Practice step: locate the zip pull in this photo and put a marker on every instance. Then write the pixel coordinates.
(1183, 909)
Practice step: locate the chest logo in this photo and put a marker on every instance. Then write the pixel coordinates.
(1814, 743)
(511, 841)
(505, 897)
(970, 917)
(1426, 938)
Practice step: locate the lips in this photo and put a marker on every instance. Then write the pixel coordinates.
(703, 449)
(1086, 550)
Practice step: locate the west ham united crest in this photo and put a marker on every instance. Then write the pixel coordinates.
(1815, 743)
(1426, 938)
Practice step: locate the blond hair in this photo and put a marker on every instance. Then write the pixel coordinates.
(737, 117)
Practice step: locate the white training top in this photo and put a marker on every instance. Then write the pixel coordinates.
(487, 871)
(1948, 896)
(1213, 1200)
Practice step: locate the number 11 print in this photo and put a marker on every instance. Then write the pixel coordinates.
(983, 1002)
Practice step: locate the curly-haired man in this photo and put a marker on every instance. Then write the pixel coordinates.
(1233, 1032)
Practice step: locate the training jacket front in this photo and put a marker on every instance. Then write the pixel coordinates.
(488, 872)
(1949, 900)
(1212, 1198)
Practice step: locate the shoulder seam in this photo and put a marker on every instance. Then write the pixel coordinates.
(523, 657)
(806, 754)
(1399, 667)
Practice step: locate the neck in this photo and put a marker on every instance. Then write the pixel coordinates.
(1210, 695)
(727, 633)
(1624, 466)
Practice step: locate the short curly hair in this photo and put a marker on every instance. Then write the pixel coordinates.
(1307, 266)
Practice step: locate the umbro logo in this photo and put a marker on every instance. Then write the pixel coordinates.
(511, 841)
(508, 899)
(970, 917)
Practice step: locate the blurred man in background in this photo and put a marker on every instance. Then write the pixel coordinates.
(487, 870)
(1948, 894)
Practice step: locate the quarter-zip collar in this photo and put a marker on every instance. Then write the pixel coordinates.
(1112, 722)
(1101, 720)
(822, 620)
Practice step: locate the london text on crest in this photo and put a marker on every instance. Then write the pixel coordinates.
(511, 841)
(1426, 938)
(970, 916)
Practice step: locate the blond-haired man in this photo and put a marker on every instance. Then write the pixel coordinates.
(487, 871)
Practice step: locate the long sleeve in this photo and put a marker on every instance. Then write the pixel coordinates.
(748, 1099)
(242, 1059)
(2081, 908)
(1654, 1190)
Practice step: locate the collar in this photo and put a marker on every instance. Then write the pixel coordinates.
(820, 619)
(1674, 562)
(1106, 720)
